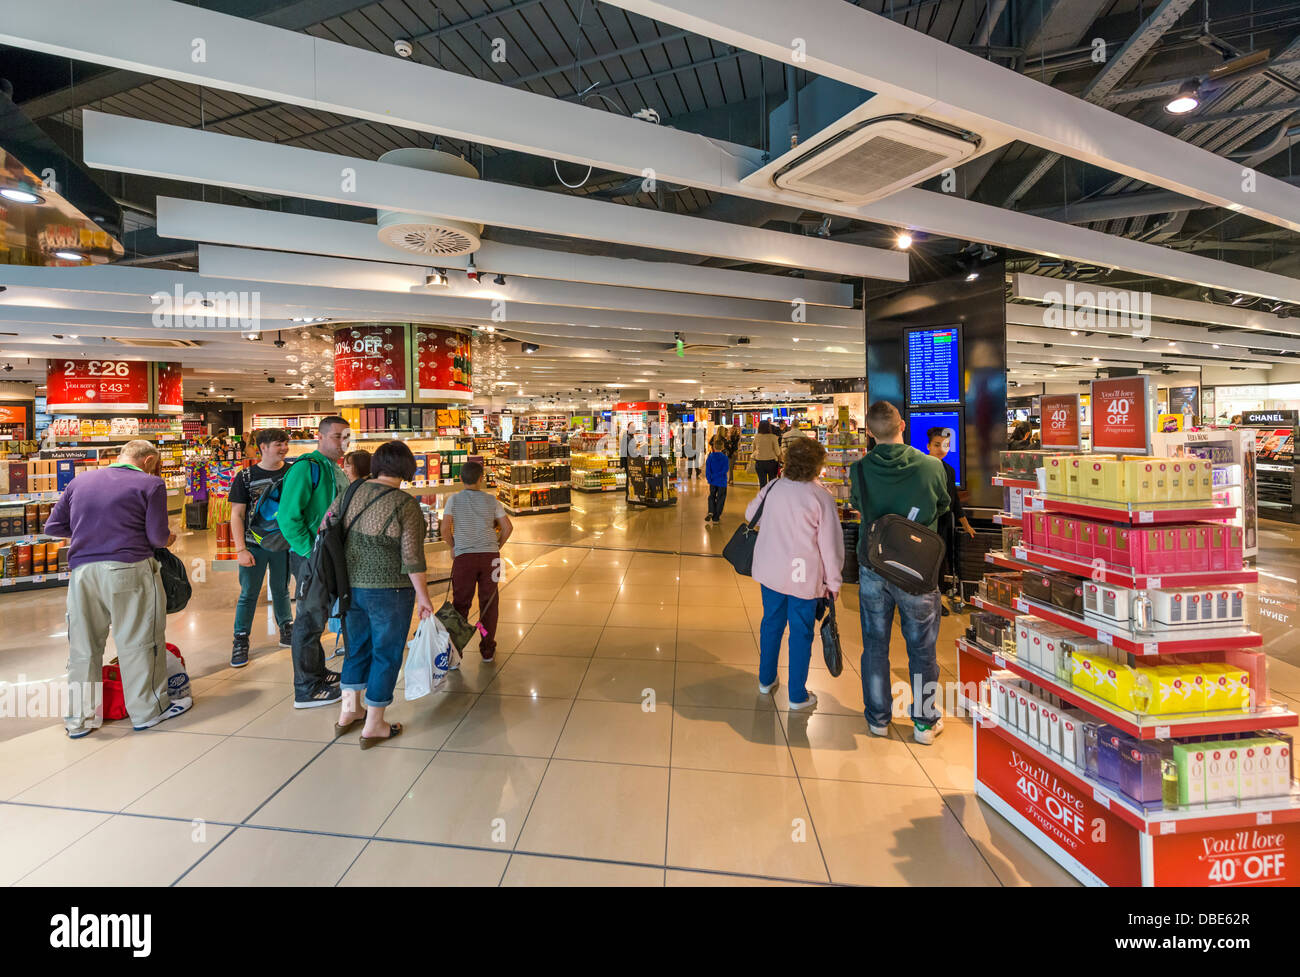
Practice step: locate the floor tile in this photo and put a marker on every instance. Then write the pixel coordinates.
(724, 686)
(229, 782)
(735, 822)
(512, 724)
(28, 759)
(345, 790)
(32, 835)
(129, 767)
(737, 740)
(617, 732)
(551, 676)
(884, 834)
(127, 851)
(388, 863)
(467, 799)
(230, 705)
(628, 615)
(707, 617)
(681, 878)
(727, 647)
(426, 722)
(579, 613)
(520, 611)
(658, 644)
(594, 593)
(262, 857)
(599, 810)
(949, 762)
(538, 870)
(1015, 859)
(629, 680)
(830, 747)
(474, 674)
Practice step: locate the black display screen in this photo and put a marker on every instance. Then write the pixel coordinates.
(934, 366)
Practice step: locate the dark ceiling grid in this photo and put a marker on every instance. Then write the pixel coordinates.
(623, 33)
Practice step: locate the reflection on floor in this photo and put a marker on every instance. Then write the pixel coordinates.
(618, 739)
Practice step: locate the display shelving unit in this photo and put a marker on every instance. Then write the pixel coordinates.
(1098, 834)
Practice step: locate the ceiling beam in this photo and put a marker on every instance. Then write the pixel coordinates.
(193, 220)
(117, 143)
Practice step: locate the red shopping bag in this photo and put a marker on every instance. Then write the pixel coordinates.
(178, 683)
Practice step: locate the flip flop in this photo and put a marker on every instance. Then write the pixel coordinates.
(341, 729)
(367, 742)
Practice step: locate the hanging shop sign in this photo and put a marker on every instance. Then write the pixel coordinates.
(370, 363)
(444, 370)
(1121, 416)
(168, 387)
(1059, 421)
(94, 385)
(1269, 418)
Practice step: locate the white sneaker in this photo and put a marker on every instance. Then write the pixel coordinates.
(807, 703)
(177, 707)
(768, 689)
(925, 734)
(878, 730)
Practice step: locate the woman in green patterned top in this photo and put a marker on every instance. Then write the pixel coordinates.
(385, 555)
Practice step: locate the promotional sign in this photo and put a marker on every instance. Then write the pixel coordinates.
(370, 363)
(443, 368)
(104, 386)
(171, 399)
(1169, 423)
(1265, 855)
(1120, 416)
(1089, 833)
(1183, 400)
(13, 414)
(1059, 417)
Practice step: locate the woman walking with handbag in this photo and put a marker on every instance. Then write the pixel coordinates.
(797, 560)
(386, 570)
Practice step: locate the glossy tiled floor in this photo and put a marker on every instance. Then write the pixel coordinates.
(618, 739)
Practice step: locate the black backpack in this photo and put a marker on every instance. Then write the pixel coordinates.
(324, 583)
(902, 552)
(175, 579)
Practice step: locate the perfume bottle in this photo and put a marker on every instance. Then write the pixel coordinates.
(1169, 785)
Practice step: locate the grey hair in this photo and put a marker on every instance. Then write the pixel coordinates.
(140, 450)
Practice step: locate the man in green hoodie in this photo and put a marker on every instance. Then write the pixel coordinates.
(309, 488)
(896, 478)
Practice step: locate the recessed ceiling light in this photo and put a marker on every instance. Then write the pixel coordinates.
(70, 255)
(20, 196)
(904, 240)
(1216, 345)
(1074, 332)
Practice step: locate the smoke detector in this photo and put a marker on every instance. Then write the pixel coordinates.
(420, 233)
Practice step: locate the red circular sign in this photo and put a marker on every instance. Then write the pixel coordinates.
(444, 370)
(96, 385)
(370, 362)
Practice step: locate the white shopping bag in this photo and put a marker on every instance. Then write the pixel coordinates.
(429, 656)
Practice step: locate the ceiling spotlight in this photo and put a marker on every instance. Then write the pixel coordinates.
(1237, 299)
(1069, 269)
(529, 348)
(471, 270)
(20, 196)
(254, 337)
(1185, 101)
(972, 275)
(904, 240)
(1172, 343)
(1074, 332)
(1216, 345)
(490, 329)
(436, 277)
(1096, 359)
(499, 280)
(70, 255)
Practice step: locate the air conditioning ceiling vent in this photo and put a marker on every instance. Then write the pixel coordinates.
(438, 237)
(875, 158)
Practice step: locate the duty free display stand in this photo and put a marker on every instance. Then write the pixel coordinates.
(1097, 834)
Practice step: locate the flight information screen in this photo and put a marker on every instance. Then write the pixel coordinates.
(934, 366)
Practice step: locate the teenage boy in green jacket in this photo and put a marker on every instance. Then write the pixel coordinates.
(896, 478)
(309, 488)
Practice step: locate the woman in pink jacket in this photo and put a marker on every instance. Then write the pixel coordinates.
(797, 560)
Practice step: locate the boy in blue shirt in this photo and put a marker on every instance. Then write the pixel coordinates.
(717, 466)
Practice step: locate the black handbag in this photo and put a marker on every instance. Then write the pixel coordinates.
(830, 632)
(175, 579)
(739, 551)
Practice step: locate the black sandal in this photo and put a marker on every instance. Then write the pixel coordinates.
(367, 742)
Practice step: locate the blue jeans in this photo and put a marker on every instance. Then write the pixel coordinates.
(919, 622)
(778, 611)
(377, 624)
(250, 588)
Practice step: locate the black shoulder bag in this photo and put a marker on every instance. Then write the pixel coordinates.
(739, 551)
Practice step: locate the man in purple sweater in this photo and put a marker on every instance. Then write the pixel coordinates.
(115, 518)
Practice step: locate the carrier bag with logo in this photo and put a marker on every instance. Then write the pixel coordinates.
(429, 657)
(178, 684)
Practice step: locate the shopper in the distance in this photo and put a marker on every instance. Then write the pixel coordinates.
(716, 469)
(356, 465)
(896, 478)
(733, 449)
(386, 571)
(309, 488)
(938, 444)
(115, 518)
(259, 542)
(767, 453)
(798, 560)
(475, 525)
